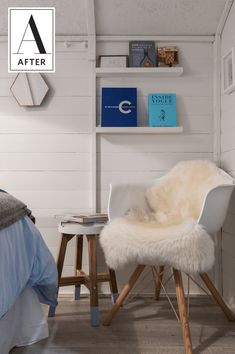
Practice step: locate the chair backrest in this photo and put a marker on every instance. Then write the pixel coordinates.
(122, 197)
(215, 207)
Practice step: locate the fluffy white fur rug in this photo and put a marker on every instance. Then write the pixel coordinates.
(169, 234)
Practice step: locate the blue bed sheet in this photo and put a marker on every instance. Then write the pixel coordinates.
(25, 260)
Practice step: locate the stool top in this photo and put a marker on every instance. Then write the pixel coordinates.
(75, 228)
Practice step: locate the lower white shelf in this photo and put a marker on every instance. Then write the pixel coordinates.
(139, 130)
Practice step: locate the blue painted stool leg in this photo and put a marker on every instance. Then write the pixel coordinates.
(114, 297)
(77, 293)
(51, 311)
(95, 316)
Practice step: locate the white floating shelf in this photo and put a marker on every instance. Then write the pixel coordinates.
(139, 130)
(158, 72)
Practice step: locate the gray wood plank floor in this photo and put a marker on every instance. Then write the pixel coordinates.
(143, 326)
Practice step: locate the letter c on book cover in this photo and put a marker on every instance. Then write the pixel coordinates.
(123, 105)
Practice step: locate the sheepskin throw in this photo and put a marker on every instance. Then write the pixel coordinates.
(169, 233)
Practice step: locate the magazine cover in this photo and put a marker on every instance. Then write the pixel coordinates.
(142, 54)
(119, 107)
(162, 110)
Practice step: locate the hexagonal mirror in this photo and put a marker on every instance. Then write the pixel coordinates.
(29, 89)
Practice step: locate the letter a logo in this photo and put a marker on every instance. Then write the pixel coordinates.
(31, 39)
(36, 35)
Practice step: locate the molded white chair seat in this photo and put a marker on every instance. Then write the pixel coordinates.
(185, 245)
(125, 196)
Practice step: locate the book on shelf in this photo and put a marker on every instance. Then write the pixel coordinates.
(119, 107)
(162, 110)
(83, 218)
(142, 54)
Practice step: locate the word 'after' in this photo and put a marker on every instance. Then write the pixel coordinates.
(32, 61)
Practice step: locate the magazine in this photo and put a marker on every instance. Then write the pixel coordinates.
(84, 219)
(162, 110)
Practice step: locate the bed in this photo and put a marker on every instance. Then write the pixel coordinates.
(28, 276)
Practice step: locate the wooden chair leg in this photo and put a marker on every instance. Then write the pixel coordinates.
(78, 265)
(60, 263)
(123, 294)
(217, 297)
(95, 318)
(113, 285)
(159, 278)
(183, 311)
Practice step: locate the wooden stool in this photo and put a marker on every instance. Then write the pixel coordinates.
(68, 231)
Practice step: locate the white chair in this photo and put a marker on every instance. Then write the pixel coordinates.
(125, 196)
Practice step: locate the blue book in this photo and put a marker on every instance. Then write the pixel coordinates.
(162, 110)
(119, 107)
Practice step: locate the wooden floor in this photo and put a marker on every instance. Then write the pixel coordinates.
(141, 327)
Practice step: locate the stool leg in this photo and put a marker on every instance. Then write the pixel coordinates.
(60, 263)
(78, 264)
(113, 285)
(95, 318)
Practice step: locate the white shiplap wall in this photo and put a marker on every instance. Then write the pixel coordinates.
(228, 163)
(45, 151)
(137, 157)
(141, 157)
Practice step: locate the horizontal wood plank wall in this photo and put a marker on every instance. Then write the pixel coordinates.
(124, 158)
(45, 152)
(228, 163)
